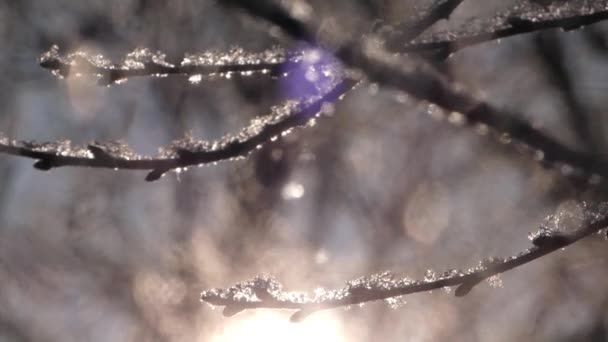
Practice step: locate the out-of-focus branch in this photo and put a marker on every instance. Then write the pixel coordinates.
(266, 292)
(143, 62)
(551, 53)
(417, 77)
(423, 19)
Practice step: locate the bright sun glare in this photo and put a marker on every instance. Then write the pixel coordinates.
(271, 326)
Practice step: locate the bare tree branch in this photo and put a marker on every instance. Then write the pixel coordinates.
(266, 292)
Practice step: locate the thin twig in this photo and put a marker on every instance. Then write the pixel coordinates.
(182, 153)
(266, 292)
(143, 62)
(523, 18)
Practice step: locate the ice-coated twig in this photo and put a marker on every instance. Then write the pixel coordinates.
(185, 152)
(419, 78)
(556, 232)
(144, 62)
(524, 17)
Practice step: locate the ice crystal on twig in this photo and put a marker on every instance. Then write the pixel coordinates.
(556, 229)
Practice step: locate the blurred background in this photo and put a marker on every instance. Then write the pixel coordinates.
(102, 255)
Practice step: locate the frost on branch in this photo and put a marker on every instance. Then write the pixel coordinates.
(266, 291)
(556, 232)
(523, 17)
(144, 62)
